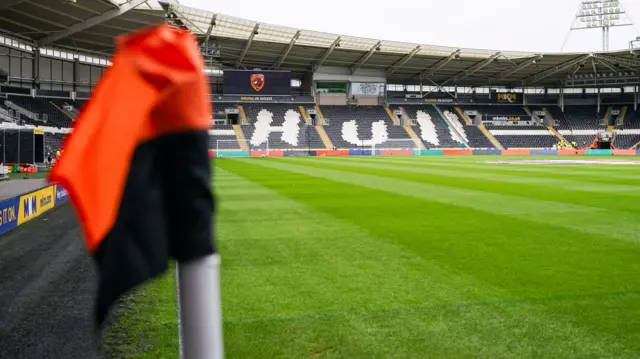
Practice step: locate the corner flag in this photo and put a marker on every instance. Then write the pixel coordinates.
(136, 165)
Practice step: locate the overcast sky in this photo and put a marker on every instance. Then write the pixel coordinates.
(523, 25)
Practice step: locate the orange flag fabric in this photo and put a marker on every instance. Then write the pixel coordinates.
(149, 113)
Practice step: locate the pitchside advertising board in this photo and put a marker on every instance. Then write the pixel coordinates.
(18, 210)
(245, 82)
(36, 203)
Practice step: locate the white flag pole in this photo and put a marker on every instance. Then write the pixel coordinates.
(180, 341)
(200, 308)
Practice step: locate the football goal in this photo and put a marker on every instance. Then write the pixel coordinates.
(403, 144)
(230, 146)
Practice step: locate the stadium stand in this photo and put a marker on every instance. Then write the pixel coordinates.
(223, 137)
(281, 125)
(626, 138)
(628, 134)
(631, 119)
(476, 138)
(5, 114)
(451, 112)
(584, 138)
(579, 124)
(362, 126)
(218, 112)
(53, 141)
(578, 118)
(523, 136)
(40, 109)
(431, 128)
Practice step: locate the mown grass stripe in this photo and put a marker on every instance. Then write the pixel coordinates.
(587, 173)
(586, 219)
(324, 261)
(549, 189)
(485, 164)
(417, 322)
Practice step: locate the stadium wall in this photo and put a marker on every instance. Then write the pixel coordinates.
(19, 210)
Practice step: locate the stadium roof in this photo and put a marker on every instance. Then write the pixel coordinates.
(91, 25)
(80, 25)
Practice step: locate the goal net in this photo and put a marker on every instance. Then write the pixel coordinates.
(407, 145)
(238, 147)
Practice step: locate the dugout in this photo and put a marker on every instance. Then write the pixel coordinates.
(603, 141)
(22, 146)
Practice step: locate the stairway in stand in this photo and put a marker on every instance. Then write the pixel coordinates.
(415, 137)
(61, 110)
(240, 137)
(621, 116)
(324, 137)
(392, 116)
(464, 116)
(319, 113)
(305, 115)
(557, 134)
(243, 116)
(489, 136)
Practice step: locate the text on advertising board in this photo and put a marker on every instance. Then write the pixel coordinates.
(8, 214)
(507, 118)
(506, 97)
(62, 195)
(33, 204)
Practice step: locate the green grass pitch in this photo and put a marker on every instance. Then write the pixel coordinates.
(414, 257)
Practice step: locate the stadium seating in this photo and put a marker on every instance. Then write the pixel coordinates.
(281, 125)
(363, 126)
(626, 138)
(579, 124)
(584, 138)
(628, 134)
(218, 112)
(523, 136)
(458, 123)
(53, 141)
(42, 106)
(631, 119)
(577, 118)
(476, 138)
(5, 114)
(222, 137)
(431, 128)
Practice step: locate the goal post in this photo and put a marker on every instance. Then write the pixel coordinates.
(238, 147)
(400, 144)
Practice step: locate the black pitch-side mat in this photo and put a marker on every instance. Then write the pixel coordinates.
(47, 286)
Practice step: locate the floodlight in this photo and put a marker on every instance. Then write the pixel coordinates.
(602, 14)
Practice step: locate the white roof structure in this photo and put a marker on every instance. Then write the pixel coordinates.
(91, 25)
